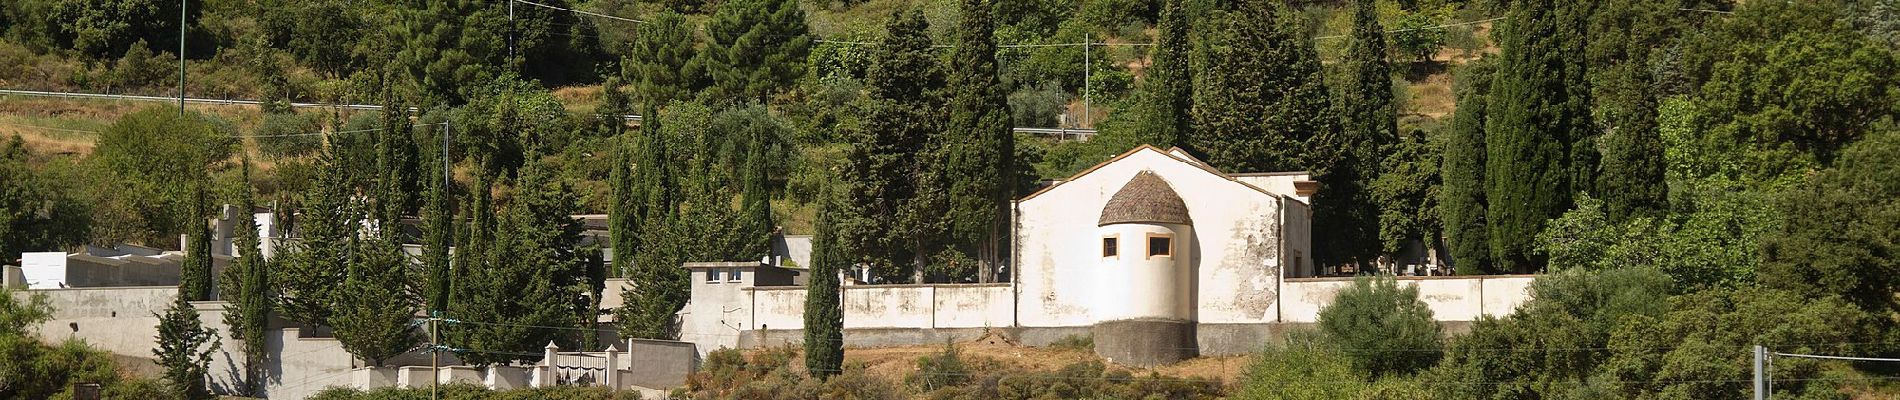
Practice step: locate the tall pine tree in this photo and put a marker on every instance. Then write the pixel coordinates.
(248, 292)
(373, 314)
(438, 236)
(757, 49)
(891, 156)
(978, 146)
(1531, 164)
(1622, 32)
(1353, 157)
(662, 63)
(659, 286)
(194, 276)
(1461, 203)
(1259, 95)
(824, 314)
(185, 347)
(1166, 98)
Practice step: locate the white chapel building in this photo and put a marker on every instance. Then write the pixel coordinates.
(1149, 245)
(1153, 253)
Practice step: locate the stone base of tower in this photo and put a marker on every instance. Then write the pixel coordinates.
(1145, 342)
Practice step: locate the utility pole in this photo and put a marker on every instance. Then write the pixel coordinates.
(435, 358)
(511, 31)
(182, 6)
(1761, 381)
(1085, 77)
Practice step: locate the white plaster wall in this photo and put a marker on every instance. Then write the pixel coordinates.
(1235, 250)
(779, 307)
(1503, 294)
(1464, 298)
(116, 320)
(973, 306)
(892, 306)
(1280, 183)
(1132, 285)
(715, 314)
(889, 306)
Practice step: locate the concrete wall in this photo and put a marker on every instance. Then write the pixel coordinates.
(1452, 298)
(891, 306)
(1234, 253)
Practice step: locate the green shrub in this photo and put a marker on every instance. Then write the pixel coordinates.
(1382, 327)
(941, 370)
(288, 135)
(1286, 371)
(1074, 342)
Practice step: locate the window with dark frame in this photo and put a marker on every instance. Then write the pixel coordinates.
(1160, 246)
(1109, 247)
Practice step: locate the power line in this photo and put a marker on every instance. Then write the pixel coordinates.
(580, 11)
(1422, 28)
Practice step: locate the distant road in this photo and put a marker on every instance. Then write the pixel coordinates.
(1059, 133)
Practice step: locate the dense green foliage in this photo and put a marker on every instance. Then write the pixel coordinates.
(946, 374)
(246, 286)
(824, 311)
(184, 350)
(35, 214)
(1382, 328)
(891, 225)
(1350, 160)
(978, 150)
(1259, 94)
(1531, 140)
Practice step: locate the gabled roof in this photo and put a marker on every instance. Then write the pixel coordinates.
(1190, 160)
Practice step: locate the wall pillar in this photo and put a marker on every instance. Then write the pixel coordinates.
(613, 368)
(544, 373)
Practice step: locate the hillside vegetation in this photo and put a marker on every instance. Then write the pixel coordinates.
(1693, 177)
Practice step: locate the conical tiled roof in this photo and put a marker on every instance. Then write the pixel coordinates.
(1145, 199)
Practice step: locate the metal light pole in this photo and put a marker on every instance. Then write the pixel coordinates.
(1761, 383)
(182, 6)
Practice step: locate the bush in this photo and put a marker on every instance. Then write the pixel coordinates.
(288, 135)
(941, 370)
(1074, 342)
(1039, 106)
(1290, 369)
(1383, 328)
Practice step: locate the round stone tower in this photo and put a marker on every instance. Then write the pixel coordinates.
(1143, 306)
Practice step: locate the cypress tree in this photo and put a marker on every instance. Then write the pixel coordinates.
(1166, 99)
(1353, 157)
(662, 62)
(659, 286)
(437, 237)
(1259, 95)
(194, 276)
(755, 226)
(757, 49)
(185, 347)
(374, 309)
(978, 145)
(1530, 164)
(314, 265)
(891, 156)
(1462, 200)
(824, 316)
(1622, 32)
(248, 312)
